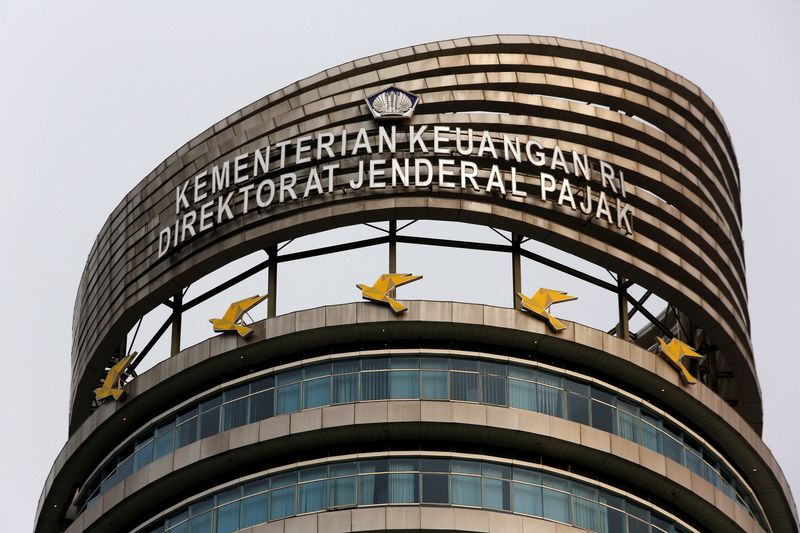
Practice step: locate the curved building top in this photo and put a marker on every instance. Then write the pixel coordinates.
(592, 150)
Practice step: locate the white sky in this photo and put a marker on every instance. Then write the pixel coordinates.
(95, 95)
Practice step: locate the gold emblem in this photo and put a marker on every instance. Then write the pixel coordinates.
(232, 320)
(539, 303)
(112, 384)
(674, 352)
(379, 292)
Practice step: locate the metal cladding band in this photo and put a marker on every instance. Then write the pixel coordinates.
(687, 247)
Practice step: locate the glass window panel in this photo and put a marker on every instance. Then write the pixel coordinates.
(611, 500)
(660, 524)
(373, 489)
(521, 372)
(346, 366)
(673, 449)
(440, 363)
(548, 378)
(637, 511)
(464, 364)
(496, 494)
(143, 456)
(235, 393)
(316, 392)
(162, 445)
(260, 485)
(550, 401)
(493, 389)
(165, 428)
(375, 363)
(186, 433)
(602, 416)
(404, 384)
(372, 466)
(186, 415)
(603, 396)
(201, 524)
(288, 399)
(290, 376)
(254, 510)
(201, 507)
(211, 403)
(465, 467)
(585, 514)
(403, 488)
(125, 469)
(374, 386)
(264, 383)
(316, 371)
(495, 470)
(434, 385)
(404, 361)
(652, 438)
(628, 408)
(342, 491)
(404, 465)
(555, 505)
(466, 490)
(435, 488)
(311, 497)
(494, 368)
(522, 394)
(310, 474)
(693, 462)
(637, 526)
(235, 414)
(576, 387)
(283, 480)
(345, 388)
(227, 520)
(578, 408)
(183, 528)
(228, 496)
(584, 491)
(282, 502)
(435, 465)
(611, 520)
(526, 475)
(342, 469)
(555, 482)
(209, 423)
(528, 499)
(627, 426)
(463, 386)
(262, 405)
(176, 519)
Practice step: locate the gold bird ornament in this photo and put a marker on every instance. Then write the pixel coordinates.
(541, 300)
(232, 320)
(379, 291)
(112, 384)
(674, 352)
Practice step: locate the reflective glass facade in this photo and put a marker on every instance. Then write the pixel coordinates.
(426, 378)
(418, 480)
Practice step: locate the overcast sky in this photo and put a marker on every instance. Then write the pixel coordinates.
(94, 95)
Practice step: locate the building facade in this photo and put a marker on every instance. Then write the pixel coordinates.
(443, 416)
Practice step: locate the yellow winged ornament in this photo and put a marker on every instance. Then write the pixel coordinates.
(379, 291)
(112, 384)
(232, 319)
(541, 300)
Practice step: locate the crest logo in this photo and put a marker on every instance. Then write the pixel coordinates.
(392, 103)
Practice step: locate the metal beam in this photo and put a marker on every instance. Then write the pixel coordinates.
(272, 281)
(177, 315)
